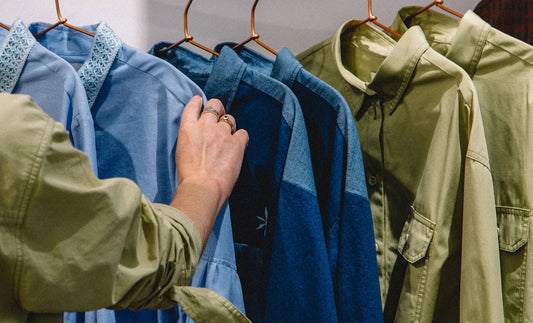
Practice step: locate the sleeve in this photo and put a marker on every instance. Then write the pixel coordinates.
(481, 289)
(88, 243)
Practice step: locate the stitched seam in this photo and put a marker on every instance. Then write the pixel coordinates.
(408, 72)
(28, 188)
(472, 155)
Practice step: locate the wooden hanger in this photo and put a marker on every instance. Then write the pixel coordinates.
(373, 19)
(62, 21)
(438, 3)
(255, 36)
(4, 26)
(188, 38)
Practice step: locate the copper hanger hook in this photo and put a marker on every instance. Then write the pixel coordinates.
(62, 21)
(185, 23)
(373, 19)
(188, 38)
(438, 3)
(59, 17)
(371, 16)
(255, 36)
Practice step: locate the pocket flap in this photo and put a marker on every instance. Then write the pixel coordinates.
(513, 227)
(416, 236)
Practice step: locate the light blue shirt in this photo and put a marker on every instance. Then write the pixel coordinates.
(28, 68)
(136, 101)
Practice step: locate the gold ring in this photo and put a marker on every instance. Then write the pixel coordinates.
(211, 110)
(225, 118)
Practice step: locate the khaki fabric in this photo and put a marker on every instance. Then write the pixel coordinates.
(501, 68)
(428, 175)
(72, 242)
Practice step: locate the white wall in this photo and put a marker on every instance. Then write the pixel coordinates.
(296, 24)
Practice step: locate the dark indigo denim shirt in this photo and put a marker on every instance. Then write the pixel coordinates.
(340, 181)
(136, 101)
(280, 244)
(26, 67)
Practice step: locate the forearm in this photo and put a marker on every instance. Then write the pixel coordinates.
(201, 203)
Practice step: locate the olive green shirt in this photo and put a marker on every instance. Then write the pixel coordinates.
(72, 242)
(428, 175)
(501, 68)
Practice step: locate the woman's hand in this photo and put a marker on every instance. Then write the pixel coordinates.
(209, 156)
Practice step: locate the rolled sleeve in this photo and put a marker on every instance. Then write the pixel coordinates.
(88, 243)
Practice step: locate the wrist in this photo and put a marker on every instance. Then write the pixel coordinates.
(200, 201)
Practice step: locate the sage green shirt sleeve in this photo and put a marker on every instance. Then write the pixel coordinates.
(72, 242)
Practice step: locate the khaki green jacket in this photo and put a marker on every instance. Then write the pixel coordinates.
(501, 68)
(72, 242)
(428, 175)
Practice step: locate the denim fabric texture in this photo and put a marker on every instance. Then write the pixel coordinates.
(28, 68)
(340, 180)
(136, 103)
(280, 245)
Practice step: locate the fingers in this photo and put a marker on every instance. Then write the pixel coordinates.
(213, 110)
(241, 136)
(192, 110)
(228, 121)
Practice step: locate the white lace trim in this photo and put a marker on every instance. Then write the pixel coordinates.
(94, 71)
(14, 52)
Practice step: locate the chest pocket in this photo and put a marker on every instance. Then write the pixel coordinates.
(416, 236)
(513, 227)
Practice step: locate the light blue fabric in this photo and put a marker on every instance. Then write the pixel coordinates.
(26, 67)
(280, 244)
(136, 102)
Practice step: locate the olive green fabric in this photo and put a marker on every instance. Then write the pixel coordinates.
(501, 68)
(72, 242)
(428, 175)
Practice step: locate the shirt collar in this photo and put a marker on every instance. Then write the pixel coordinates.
(14, 52)
(286, 67)
(102, 50)
(94, 70)
(467, 45)
(464, 39)
(227, 73)
(394, 73)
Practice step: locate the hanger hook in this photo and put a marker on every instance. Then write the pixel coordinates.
(254, 34)
(185, 24)
(61, 19)
(371, 16)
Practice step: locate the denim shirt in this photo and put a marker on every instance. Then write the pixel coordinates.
(136, 101)
(340, 181)
(26, 67)
(281, 251)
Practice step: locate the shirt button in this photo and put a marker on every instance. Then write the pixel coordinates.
(377, 248)
(372, 180)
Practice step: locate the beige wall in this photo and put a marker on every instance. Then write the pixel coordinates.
(296, 24)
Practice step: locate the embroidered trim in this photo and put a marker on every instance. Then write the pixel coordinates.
(103, 53)
(14, 52)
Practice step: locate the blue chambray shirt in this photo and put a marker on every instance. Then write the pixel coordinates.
(280, 244)
(341, 185)
(28, 68)
(136, 102)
